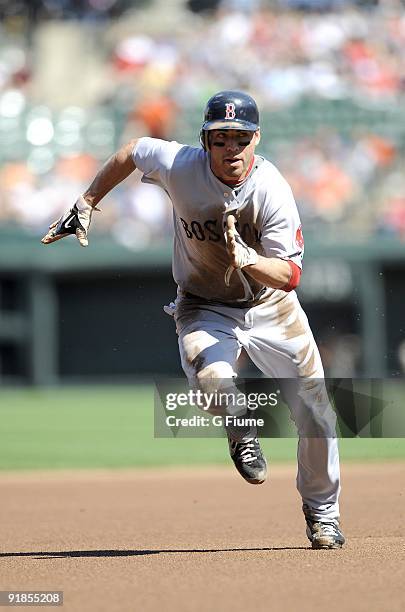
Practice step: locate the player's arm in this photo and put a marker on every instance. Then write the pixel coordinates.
(114, 171)
(269, 271)
(77, 219)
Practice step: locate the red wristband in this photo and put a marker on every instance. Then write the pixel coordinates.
(294, 278)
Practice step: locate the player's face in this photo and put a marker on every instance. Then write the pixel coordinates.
(232, 152)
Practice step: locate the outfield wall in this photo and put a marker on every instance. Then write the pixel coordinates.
(69, 314)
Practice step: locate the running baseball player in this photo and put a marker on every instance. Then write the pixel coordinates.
(237, 259)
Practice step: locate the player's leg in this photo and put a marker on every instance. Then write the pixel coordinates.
(281, 344)
(209, 350)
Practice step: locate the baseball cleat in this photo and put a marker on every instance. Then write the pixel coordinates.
(324, 534)
(249, 460)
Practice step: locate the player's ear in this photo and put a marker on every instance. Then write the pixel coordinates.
(257, 137)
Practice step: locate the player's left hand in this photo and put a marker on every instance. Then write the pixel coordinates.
(75, 221)
(240, 254)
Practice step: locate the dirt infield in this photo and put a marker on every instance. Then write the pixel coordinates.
(190, 540)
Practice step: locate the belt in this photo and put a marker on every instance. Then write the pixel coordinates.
(247, 304)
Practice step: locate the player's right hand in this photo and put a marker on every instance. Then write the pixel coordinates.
(74, 222)
(240, 254)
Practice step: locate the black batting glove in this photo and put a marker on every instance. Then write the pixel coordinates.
(74, 222)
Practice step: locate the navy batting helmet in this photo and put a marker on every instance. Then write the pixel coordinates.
(229, 110)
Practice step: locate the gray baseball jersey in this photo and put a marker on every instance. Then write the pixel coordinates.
(266, 213)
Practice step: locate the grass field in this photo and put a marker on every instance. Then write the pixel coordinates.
(111, 427)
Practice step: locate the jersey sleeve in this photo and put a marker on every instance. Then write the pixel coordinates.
(155, 159)
(282, 231)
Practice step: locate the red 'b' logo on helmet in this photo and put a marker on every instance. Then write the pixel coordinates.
(230, 110)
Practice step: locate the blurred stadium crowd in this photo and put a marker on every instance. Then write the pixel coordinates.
(80, 77)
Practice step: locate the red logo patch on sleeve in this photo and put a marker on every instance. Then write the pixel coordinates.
(299, 238)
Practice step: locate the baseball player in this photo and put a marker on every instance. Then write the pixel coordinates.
(238, 249)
